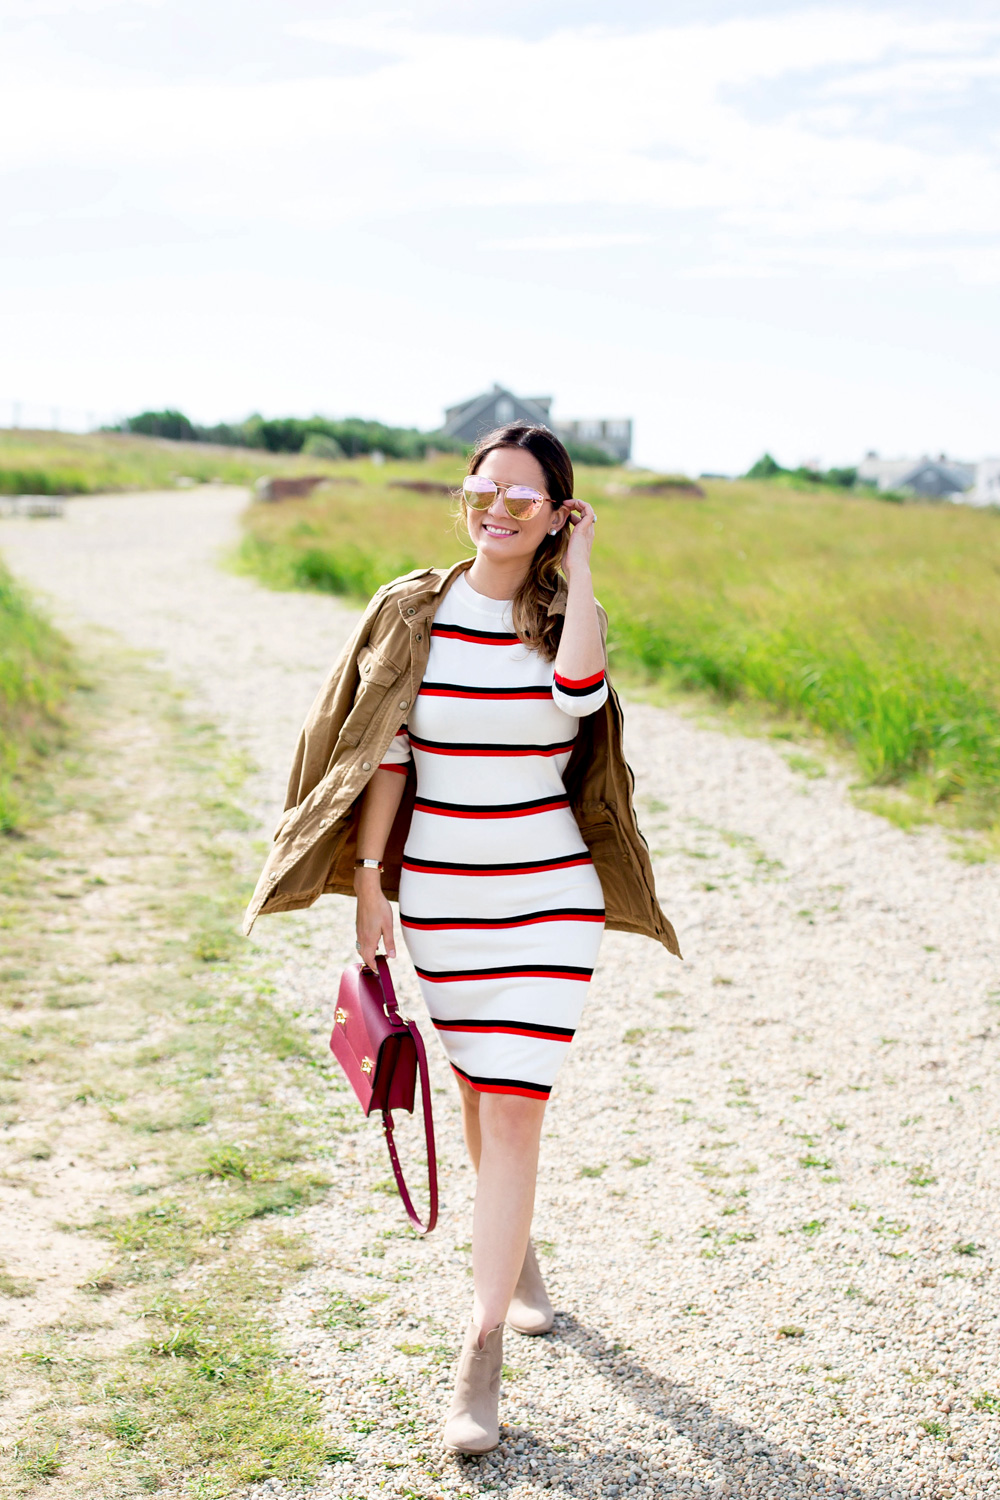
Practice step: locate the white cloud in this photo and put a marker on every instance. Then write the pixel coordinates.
(588, 119)
(33, 10)
(818, 197)
(561, 242)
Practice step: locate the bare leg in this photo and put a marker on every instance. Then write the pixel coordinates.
(509, 1132)
(470, 1120)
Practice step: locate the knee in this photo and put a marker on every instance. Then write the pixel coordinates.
(511, 1120)
(469, 1096)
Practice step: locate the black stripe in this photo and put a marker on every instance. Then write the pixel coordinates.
(531, 916)
(509, 1083)
(489, 692)
(550, 803)
(474, 745)
(492, 1025)
(480, 635)
(501, 971)
(516, 864)
(575, 692)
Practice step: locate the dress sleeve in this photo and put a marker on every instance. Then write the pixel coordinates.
(398, 755)
(579, 696)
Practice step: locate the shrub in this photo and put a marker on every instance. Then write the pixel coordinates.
(34, 670)
(321, 445)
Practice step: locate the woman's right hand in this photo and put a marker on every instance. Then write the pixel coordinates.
(374, 917)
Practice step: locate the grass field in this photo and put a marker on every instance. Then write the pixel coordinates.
(35, 672)
(876, 624)
(66, 463)
(154, 1159)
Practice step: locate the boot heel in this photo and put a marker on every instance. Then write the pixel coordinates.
(530, 1310)
(473, 1424)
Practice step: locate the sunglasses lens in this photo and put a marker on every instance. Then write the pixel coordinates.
(523, 503)
(479, 493)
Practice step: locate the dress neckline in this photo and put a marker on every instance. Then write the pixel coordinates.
(481, 603)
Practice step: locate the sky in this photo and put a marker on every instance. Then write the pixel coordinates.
(745, 226)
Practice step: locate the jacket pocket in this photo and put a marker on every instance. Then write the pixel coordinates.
(613, 862)
(377, 674)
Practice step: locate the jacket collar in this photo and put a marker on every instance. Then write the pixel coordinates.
(437, 582)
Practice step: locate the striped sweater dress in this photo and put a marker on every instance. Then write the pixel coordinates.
(499, 902)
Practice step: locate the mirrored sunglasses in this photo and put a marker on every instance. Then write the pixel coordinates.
(520, 501)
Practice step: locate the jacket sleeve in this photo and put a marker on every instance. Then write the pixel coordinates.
(330, 708)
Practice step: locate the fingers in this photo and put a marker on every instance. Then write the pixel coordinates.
(374, 931)
(388, 940)
(367, 951)
(584, 511)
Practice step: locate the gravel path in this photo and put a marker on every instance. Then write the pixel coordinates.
(768, 1194)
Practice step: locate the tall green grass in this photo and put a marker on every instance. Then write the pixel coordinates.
(34, 675)
(877, 624)
(64, 463)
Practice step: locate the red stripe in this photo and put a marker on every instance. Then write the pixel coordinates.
(579, 682)
(488, 750)
(445, 926)
(478, 638)
(501, 1088)
(457, 978)
(426, 868)
(386, 766)
(545, 1036)
(463, 812)
(433, 692)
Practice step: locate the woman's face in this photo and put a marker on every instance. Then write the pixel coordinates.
(497, 536)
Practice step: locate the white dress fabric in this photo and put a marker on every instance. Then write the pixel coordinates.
(499, 902)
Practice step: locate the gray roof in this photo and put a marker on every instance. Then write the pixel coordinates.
(940, 475)
(470, 419)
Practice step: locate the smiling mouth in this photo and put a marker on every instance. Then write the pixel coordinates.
(498, 530)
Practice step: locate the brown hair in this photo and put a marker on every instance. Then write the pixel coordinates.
(532, 621)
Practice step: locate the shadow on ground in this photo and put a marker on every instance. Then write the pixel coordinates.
(743, 1462)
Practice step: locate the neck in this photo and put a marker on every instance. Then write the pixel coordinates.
(497, 580)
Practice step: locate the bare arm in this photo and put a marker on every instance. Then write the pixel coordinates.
(581, 648)
(379, 806)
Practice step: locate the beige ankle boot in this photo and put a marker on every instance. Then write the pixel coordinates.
(473, 1425)
(530, 1310)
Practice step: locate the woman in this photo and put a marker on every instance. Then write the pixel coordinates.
(499, 810)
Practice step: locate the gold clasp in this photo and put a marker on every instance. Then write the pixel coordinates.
(366, 1065)
(340, 1016)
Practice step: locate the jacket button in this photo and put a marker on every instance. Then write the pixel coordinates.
(418, 636)
(366, 765)
(404, 703)
(411, 611)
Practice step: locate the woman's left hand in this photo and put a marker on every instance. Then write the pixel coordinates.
(581, 535)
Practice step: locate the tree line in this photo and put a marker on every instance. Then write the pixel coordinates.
(322, 437)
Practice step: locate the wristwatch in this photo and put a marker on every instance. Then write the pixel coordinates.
(368, 864)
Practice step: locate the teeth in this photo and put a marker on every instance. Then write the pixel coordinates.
(497, 531)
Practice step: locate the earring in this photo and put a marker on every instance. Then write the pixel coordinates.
(553, 530)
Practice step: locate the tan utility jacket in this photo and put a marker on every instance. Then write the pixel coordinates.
(362, 706)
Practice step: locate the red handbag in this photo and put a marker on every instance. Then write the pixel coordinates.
(380, 1051)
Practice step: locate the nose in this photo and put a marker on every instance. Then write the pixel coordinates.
(498, 510)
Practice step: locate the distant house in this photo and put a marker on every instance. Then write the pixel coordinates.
(612, 434)
(940, 478)
(470, 419)
(987, 490)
